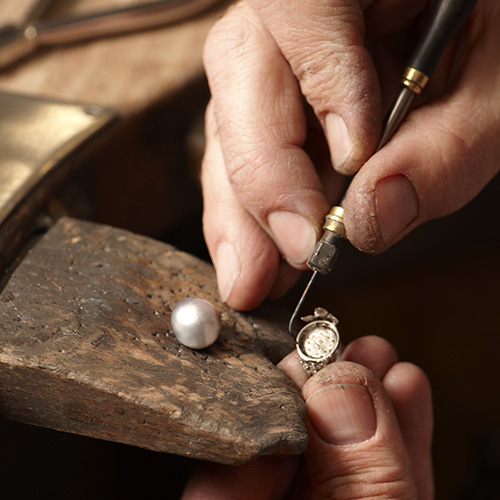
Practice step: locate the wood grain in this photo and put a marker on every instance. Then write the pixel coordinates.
(87, 348)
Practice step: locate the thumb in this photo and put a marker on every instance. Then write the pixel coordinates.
(356, 448)
(445, 152)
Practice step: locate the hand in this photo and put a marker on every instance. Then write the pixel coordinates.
(300, 86)
(370, 436)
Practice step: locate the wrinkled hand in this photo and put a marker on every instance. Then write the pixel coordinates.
(369, 423)
(299, 86)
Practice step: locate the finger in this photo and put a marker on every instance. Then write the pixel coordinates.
(244, 257)
(324, 44)
(291, 365)
(408, 389)
(436, 164)
(262, 128)
(265, 478)
(356, 449)
(375, 353)
(410, 393)
(442, 156)
(285, 279)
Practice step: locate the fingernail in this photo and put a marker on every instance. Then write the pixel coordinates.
(339, 140)
(227, 264)
(294, 235)
(396, 204)
(342, 414)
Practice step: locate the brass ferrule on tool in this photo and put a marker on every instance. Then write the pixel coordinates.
(334, 221)
(414, 79)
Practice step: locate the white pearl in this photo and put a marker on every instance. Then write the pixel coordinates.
(196, 322)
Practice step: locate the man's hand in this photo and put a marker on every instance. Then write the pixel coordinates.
(370, 426)
(300, 86)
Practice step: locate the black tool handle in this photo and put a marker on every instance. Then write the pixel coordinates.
(446, 18)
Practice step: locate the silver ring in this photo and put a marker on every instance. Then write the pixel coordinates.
(318, 341)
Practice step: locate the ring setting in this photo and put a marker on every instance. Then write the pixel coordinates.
(318, 341)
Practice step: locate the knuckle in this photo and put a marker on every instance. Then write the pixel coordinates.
(256, 176)
(377, 482)
(229, 38)
(325, 47)
(246, 169)
(336, 75)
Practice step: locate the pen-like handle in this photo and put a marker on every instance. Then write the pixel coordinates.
(446, 18)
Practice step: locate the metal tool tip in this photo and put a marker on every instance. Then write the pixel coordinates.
(292, 326)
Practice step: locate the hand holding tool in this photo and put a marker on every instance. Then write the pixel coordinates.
(446, 18)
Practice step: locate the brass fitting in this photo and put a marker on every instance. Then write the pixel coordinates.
(334, 221)
(414, 79)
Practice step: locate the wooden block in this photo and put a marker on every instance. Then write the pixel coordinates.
(87, 348)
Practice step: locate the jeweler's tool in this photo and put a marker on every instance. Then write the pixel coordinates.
(446, 18)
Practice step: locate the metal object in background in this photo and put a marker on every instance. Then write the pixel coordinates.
(40, 142)
(18, 41)
(35, 136)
